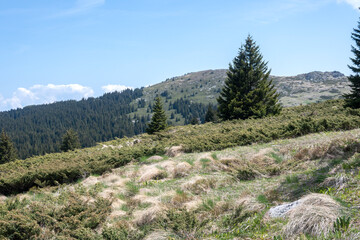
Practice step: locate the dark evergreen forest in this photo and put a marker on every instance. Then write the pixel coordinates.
(190, 110)
(36, 130)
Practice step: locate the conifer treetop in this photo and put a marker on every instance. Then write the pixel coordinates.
(352, 99)
(248, 91)
(7, 150)
(158, 120)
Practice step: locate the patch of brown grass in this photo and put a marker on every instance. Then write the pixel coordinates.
(90, 181)
(158, 235)
(149, 215)
(152, 173)
(198, 185)
(182, 169)
(180, 198)
(113, 180)
(175, 151)
(249, 204)
(315, 216)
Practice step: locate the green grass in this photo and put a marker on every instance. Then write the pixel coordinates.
(262, 199)
(132, 188)
(59, 168)
(205, 162)
(214, 156)
(57, 213)
(276, 157)
(292, 179)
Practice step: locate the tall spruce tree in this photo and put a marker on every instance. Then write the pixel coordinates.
(353, 98)
(248, 90)
(7, 150)
(70, 141)
(158, 120)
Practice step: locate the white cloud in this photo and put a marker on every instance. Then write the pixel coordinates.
(114, 88)
(354, 3)
(81, 6)
(40, 94)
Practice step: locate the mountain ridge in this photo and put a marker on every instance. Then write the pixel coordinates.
(206, 85)
(38, 129)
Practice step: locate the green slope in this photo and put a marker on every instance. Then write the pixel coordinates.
(204, 87)
(222, 194)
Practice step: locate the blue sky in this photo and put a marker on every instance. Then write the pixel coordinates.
(70, 49)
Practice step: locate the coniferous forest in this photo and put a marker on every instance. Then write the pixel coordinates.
(36, 130)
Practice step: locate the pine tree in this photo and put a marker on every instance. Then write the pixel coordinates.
(70, 141)
(158, 120)
(7, 150)
(353, 98)
(210, 115)
(248, 91)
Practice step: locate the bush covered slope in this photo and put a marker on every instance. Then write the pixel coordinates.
(224, 194)
(54, 169)
(36, 130)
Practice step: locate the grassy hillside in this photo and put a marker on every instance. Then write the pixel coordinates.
(224, 194)
(54, 169)
(204, 87)
(37, 130)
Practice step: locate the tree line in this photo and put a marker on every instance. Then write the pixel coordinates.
(36, 130)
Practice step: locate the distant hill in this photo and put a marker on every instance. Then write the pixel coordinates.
(311, 87)
(205, 86)
(38, 129)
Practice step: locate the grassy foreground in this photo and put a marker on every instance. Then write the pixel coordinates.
(222, 194)
(59, 168)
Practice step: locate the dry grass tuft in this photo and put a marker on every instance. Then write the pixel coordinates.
(2, 198)
(117, 203)
(182, 169)
(155, 158)
(158, 235)
(315, 216)
(261, 158)
(180, 198)
(221, 207)
(108, 193)
(143, 198)
(230, 164)
(152, 173)
(338, 182)
(199, 185)
(174, 151)
(113, 180)
(90, 181)
(149, 215)
(326, 148)
(249, 204)
(193, 204)
(168, 166)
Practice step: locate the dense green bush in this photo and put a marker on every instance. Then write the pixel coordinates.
(121, 232)
(183, 223)
(76, 219)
